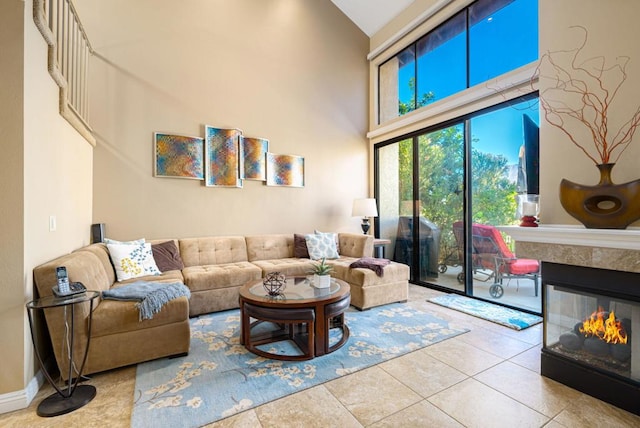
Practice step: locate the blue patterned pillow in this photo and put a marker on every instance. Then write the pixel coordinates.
(322, 246)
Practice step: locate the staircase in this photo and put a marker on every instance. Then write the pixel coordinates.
(68, 64)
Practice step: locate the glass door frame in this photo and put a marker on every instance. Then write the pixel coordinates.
(467, 205)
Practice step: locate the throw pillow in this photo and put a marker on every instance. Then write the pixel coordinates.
(316, 231)
(322, 246)
(167, 256)
(132, 261)
(113, 241)
(300, 250)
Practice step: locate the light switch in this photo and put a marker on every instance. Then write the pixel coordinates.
(52, 223)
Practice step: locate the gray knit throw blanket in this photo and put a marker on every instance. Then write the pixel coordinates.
(152, 296)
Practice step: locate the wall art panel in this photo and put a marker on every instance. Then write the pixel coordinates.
(223, 161)
(285, 170)
(178, 156)
(254, 153)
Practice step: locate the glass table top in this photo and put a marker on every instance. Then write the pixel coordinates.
(297, 288)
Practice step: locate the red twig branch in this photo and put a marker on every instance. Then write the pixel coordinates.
(582, 93)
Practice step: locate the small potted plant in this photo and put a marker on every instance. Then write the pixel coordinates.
(321, 274)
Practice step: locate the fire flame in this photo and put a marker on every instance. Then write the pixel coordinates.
(609, 330)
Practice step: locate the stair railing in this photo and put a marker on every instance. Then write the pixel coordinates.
(68, 59)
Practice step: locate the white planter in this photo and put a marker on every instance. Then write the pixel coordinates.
(321, 281)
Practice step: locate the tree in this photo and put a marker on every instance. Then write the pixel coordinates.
(441, 183)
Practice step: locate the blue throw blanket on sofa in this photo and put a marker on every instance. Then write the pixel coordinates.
(152, 296)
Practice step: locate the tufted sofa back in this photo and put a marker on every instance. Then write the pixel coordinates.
(269, 247)
(213, 250)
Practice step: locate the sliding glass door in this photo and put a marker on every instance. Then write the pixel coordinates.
(443, 191)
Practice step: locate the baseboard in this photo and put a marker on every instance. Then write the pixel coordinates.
(17, 400)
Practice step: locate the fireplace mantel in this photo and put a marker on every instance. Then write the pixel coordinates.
(575, 245)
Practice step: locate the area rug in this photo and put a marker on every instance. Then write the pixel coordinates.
(220, 378)
(511, 318)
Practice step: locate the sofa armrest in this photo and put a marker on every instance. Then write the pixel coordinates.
(355, 245)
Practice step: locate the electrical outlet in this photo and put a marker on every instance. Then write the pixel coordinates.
(52, 223)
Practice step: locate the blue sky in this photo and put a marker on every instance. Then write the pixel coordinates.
(499, 42)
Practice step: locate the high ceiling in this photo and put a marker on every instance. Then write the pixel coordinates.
(371, 15)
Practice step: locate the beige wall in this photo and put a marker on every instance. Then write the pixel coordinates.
(12, 335)
(613, 31)
(46, 170)
(294, 72)
(558, 157)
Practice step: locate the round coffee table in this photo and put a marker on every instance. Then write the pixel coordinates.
(302, 313)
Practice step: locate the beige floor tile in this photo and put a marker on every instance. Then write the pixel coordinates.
(554, 424)
(474, 404)
(529, 359)
(113, 403)
(314, 407)
(462, 356)
(247, 419)
(372, 394)
(531, 335)
(422, 414)
(423, 373)
(495, 343)
(587, 411)
(538, 392)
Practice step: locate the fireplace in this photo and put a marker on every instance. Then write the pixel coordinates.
(591, 331)
(588, 274)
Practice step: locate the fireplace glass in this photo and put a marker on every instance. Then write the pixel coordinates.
(592, 332)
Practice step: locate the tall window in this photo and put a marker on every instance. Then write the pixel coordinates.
(436, 184)
(483, 41)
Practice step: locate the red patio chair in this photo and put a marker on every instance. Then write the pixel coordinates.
(489, 251)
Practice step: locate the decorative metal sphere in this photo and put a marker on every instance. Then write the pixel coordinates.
(274, 283)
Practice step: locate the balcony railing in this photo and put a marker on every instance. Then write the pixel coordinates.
(69, 53)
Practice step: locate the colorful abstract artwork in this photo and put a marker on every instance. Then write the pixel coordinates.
(178, 156)
(254, 152)
(223, 160)
(285, 170)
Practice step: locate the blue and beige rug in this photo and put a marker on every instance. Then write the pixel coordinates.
(499, 314)
(220, 378)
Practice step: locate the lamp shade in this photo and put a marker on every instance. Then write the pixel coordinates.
(365, 208)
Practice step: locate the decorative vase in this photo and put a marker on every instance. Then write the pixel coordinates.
(605, 205)
(321, 281)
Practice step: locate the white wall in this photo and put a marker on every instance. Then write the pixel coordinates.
(294, 72)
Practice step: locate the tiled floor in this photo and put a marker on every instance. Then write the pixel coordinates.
(488, 377)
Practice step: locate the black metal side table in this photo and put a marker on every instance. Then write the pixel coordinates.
(72, 396)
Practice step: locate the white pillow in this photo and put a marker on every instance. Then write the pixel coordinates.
(322, 246)
(132, 260)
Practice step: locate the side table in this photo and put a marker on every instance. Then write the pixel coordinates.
(72, 396)
(379, 245)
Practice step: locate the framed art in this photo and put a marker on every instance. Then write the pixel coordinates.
(222, 157)
(285, 170)
(254, 152)
(178, 156)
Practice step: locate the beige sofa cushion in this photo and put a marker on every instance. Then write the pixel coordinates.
(214, 250)
(269, 247)
(127, 315)
(289, 266)
(355, 245)
(209, 277)
(393, 272)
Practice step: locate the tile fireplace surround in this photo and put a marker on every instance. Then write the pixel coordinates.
(586, 270)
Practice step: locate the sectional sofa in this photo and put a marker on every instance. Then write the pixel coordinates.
(214, 269)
